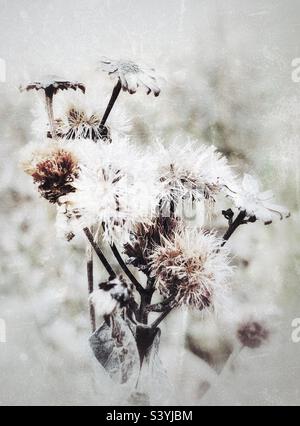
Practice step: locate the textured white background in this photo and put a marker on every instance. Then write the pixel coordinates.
(244, 49)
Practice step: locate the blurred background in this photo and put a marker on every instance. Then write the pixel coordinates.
(227, 68)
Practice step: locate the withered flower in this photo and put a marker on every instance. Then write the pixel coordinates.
(131, 76)
(80, 125)
(192, 268)
(55, 173)
(51, 85)
(145, 237)
(252, 334)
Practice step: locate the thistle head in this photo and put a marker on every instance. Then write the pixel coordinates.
(146, 236)
(80, 125)
(53, 171)
(192, 268)
(189, 170)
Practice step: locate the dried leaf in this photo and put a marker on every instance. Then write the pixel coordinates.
(115, 348)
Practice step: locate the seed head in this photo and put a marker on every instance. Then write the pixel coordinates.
(55, 173)
(252, 334)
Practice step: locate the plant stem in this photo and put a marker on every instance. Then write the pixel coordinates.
(49, 108)
(90, 276)
(99, 253)
(156, 323)
(126, 270)
(160, 307)
(115, 93)
(239, 220)
(145, 302)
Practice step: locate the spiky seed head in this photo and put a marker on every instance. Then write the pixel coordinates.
(192, 268)
(144, 238)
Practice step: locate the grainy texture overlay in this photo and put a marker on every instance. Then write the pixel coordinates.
(220, 126)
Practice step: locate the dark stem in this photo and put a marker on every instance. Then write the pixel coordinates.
(239, 220)
(144, 340)
(99, 253)
(114, 96)
(160, 307)
(156, 323)
(90, 276)
(126, 270)
(172, 208)
(146, 298)
(145, 302)
(49, 108)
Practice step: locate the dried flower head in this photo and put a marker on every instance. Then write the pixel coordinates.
(252, 334)
(54, 170)
(146, 236)
(192, 268)
(189, 171)
(78, 116)
(79, 125)
(258, 205)
(52, 84)
(112, 294)
(131, 75)
(108, 192)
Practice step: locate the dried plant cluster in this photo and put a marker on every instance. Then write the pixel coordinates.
(133, 201)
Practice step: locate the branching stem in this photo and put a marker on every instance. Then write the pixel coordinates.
(156, 323)
(239, 220)
(160, 307)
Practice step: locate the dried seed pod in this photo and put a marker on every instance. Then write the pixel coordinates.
(252, 334)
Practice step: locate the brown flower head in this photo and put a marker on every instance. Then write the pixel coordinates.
(145, 237)
(55, 173)
(252, 334)
(192, 268)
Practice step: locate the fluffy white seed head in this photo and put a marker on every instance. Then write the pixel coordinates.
(257, 204)
(189, 170)
(192, 267)
(111, 190)
(78, 116)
